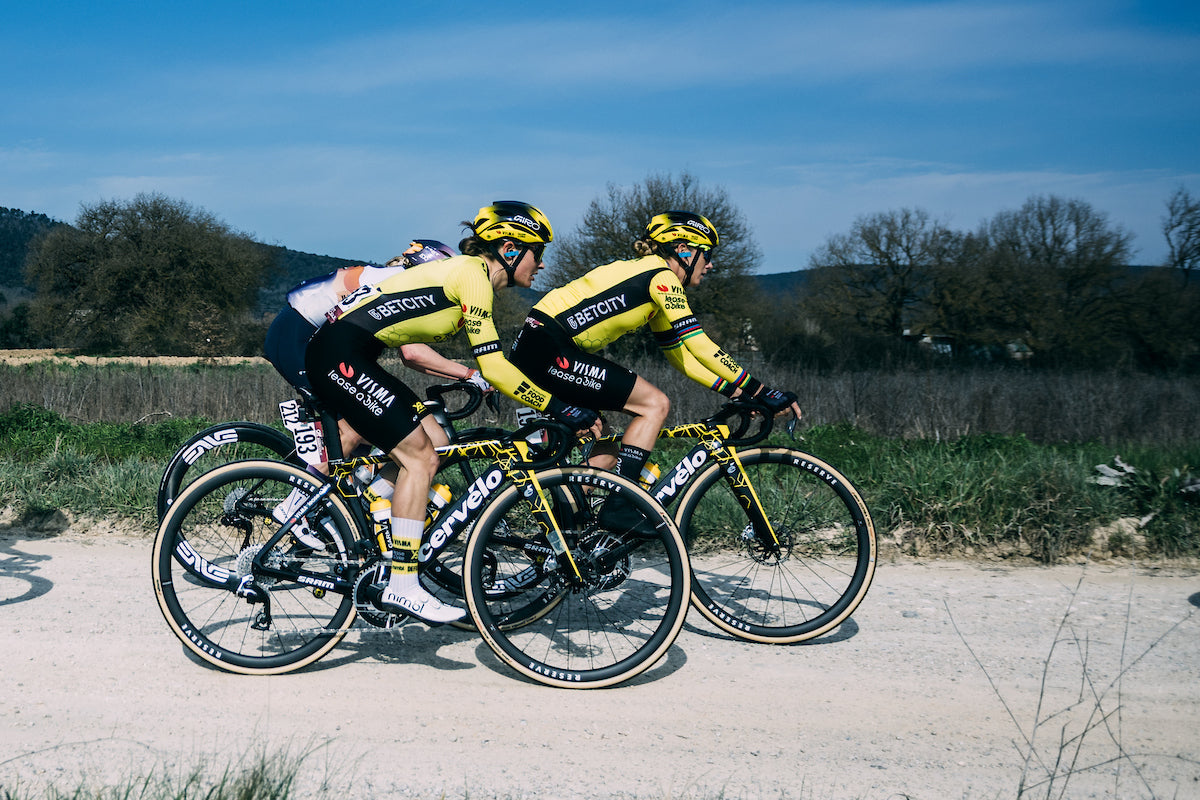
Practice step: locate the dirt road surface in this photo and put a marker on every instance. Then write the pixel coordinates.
(892, 705)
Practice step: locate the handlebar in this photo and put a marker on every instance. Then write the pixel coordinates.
(438, 392)
(746, 411)
(559, 441)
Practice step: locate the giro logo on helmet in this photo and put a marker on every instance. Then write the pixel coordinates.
(527, 221)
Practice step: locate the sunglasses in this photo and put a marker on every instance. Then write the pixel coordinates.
(537, 250)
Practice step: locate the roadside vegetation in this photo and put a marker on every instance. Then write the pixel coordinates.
(263, 776)
(942, 458)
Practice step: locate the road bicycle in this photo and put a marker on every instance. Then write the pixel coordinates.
(304, 442)
(239, 440)
(781, 544)
(561, 600)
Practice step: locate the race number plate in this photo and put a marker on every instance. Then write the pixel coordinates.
(310, 444)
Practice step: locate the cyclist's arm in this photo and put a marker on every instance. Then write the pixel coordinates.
(682, 359)
(424, 358)
(685, 344)
(475, 295)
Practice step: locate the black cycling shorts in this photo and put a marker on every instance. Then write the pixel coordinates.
(285, 343)
(342, 364)
(545, 353)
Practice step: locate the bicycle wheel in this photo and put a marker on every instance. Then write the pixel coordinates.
(217, 600)
(799, 589)
(612, 620)
(442, 575)
(220, 444)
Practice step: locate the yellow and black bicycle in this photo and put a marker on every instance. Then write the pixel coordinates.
(782, 545)
(559, 598)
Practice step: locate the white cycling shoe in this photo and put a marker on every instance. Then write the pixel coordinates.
(419, 603)
(304, 534)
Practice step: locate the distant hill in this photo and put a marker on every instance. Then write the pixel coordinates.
(17, 230)
(782, 284)
(292, 267)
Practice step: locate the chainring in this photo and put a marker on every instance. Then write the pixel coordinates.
(374, 572)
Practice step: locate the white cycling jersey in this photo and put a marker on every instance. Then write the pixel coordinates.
(315, 296)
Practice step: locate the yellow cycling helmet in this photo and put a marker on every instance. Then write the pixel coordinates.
(512, 219)
(671, 227)
(682, 226)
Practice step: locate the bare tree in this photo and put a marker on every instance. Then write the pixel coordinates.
(1181, 227)
(724, 301)
(874, 278)
(1060, 261)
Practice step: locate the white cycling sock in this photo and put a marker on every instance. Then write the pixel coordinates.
(406, 540)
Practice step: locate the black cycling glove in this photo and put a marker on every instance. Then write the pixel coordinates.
(776, 400)
(574, 417)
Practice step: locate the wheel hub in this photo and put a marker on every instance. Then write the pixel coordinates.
(245, 565)
(768, 553)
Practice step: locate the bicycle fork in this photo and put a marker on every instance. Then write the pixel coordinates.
(739, 483)
(528, 484)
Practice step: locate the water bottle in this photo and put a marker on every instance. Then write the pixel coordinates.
(381, 513)
(381, 487)
(364, 475)
(649, 475)
(439, 495)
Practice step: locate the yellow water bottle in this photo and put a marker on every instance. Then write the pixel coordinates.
(439, 495)
(649, 475)
(381, 513)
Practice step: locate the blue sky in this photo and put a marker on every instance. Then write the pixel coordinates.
(347, 129)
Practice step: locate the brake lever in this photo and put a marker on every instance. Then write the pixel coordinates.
(493, 402)
(791, 427)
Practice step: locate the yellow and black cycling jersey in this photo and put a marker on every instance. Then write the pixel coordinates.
(610, 301)
(432, 302)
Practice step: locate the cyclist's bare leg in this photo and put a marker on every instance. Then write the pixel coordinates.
(418, 462)
(650, 407)
(350, 438)
(434, 431)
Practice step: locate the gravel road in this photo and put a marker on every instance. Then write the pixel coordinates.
(929, 692)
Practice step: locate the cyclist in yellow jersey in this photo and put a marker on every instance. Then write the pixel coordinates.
(428, 303)
(557, 347)
(305, 310)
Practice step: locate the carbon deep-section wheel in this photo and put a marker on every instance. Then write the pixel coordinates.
(241, 597)
(799, 580)
(601, 612)
(217, 445)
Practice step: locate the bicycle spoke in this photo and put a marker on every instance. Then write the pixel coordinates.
(251, 621)
(802, 582)
(615, 611)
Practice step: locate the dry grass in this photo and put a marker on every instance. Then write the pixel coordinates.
(939, 404)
